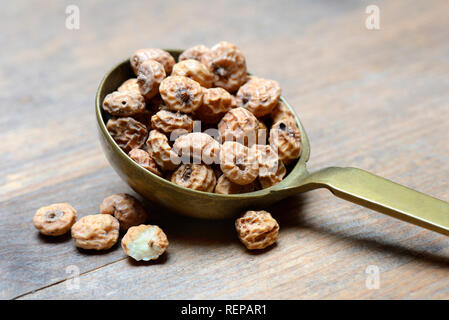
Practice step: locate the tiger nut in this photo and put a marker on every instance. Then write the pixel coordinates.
(160, 150)
(127, 132)
(198, 177)
(216, 102)
(99, 232)
(124, 103)
(259, 96)
(168, 121)
(238, 163)
(143, 158)
(285, 138)
(226, 186)
(280, 112)
(257, 229)
(271, 168)
(125, 208)
(159, 55)
(149, 77)
(181, 93)
(129, 85)
(239, 125)
(194, 70)
(55, 219)
(195, 53)
(198, 146)
(144, 242)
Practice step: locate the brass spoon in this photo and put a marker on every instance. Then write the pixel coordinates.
(352, 184)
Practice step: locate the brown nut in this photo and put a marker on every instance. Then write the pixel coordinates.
(194, 70)
(238, 163)
(143, 158)
(259, 96)
(227, 64)
(149, 76)
(181, 94)
(257, 229)
(280, 112)
(239, 125)
(168, 121)
(144, 242)
(271, 168)
(159, 55)
(195, 52)
(127, 132)
(285, 138)
(216, 102)
(161, 152)
(127, 209)
(198, 146)
(55, 219)
(124, 104)
(198, 177)
(129, 85)
(226, 186)
(99, 232)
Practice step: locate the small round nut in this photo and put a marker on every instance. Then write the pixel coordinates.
(125, 208)
(168, 121)
(124, 103)
(257, 229)
(99, 232)
(55, 219)
(144, 242)
(195, 52)
(127, 132)
(143, 158)
(194, 70)
(198, 177)
(198, 146)
(227, 64)
(285, 138)
(238, 163)
(226, 186)
(216, 102)
(181, 94)
(271, 168)
(149, 76)
(159, 55)
(129, 85)
(161, 152)
(259, 96)
(239, 125)
(281, 111)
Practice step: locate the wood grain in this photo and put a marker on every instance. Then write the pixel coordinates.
(377, 100)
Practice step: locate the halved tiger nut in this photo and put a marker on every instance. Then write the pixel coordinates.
(149, 76)
(198, 177)
(55, 219)
(124, 104)
(238, 163)
(259, 96)
(181, 94)
(144, 242)
(194, 70)
(161, 152)
(198, 146)
(143, 158)
(285, 138)
(159, 55)
(239, 125)
(129, 85)
(226, 186)
(195, 53)
(168, 121)
(216, 102)
(271, 168)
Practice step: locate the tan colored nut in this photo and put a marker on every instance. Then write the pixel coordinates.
(194, 70)
(143, 158)
(271, 168)
(285, 138)
(198, 146)
(195, 52)
(259, 96)
(127, 209)
(239, 125)
(198, 177)
(226, 186)
(127, 132)
(129, 85)
(124, 104)
(159, 55)
(149, 76)
(271, 180)
(55, 219)
(181, 94)
(216, 102)
(99, 232)
(144, 242)
(168, 121)
(257, 229)
(161, 152)
(238, 163)
(280, 112)
(227, 64)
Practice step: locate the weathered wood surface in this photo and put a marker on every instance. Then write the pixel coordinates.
(377, 100)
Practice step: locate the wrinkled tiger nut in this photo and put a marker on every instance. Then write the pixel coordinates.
(226, 186)
(149, 77)
(159, 55)
(55, 219)
(239, 125)
(143, 158)
(125, 208)
(194, 70)
(257, 229)
(271, 168)
(198, 177)
(181, 94)
(198, 146)
(227, 64)
(238, 163)
(216, 102)
(127, 132)
(195, 53)
(285, 138)
(144, 242)
(168, 121)
(280, 112)
(129, 85)
(124, 104)
(99, 232)
(160, 150)
(259, 96)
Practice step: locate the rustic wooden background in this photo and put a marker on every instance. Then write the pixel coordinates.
(378, 100)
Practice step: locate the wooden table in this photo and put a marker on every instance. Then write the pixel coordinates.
(374, 99)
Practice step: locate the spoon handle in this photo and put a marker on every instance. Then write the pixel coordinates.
(385, 196)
